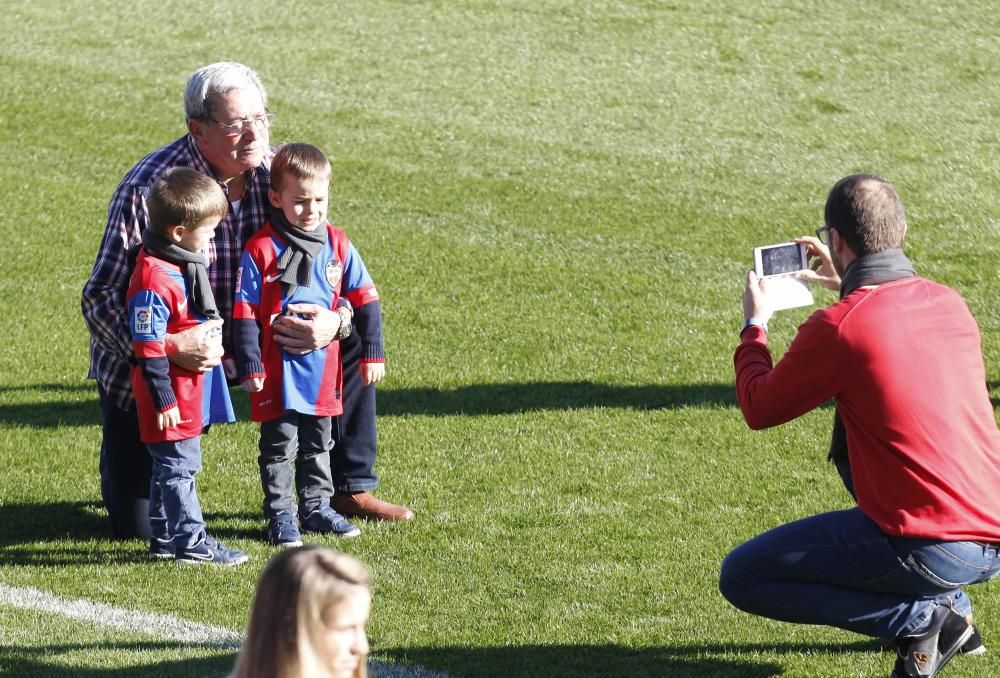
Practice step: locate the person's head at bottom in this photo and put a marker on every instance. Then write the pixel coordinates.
(308, 618)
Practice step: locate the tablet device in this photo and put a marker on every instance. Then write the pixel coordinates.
(778, 264)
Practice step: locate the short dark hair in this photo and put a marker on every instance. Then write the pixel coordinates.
(302, 161)
(184, 197)
(867, 213)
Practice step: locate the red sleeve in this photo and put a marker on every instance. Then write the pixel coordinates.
(807, 375)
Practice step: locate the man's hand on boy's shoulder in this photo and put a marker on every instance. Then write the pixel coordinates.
(305, 327)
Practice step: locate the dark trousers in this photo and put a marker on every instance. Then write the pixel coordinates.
(126, 469)
(295, 446)
(126, 466)
(354, 439)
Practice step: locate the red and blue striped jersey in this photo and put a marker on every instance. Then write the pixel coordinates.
(158, 304)
(311, 383)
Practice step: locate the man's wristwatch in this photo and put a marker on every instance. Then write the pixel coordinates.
(754, 321)
(345, 322)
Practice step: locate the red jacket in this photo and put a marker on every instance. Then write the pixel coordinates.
(903, 361)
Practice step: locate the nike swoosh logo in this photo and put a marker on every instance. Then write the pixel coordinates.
(198, 556)
(272, 278)
(182, 305)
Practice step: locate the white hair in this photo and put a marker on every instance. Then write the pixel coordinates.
(218, 78)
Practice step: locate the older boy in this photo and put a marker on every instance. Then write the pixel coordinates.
(169, 292)
(299, 258)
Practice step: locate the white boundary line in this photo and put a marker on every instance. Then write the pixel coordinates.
(158, 625)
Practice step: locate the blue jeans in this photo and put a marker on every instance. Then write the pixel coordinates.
(174, 509)
(839, 569)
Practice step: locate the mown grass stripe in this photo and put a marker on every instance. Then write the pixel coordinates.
(166, 626)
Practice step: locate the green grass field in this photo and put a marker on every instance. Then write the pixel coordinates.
(558, 201)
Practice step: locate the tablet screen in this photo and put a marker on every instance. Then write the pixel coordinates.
(780, 259)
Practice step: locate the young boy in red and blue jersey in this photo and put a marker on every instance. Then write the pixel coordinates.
(300, 258)
(169, 292)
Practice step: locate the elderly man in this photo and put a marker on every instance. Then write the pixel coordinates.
(901, 358)
(228, 139)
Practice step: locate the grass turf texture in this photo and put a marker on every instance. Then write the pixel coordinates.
(558, 201)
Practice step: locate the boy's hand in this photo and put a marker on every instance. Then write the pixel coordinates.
(171, 417)
(253, 384)
(372, 373)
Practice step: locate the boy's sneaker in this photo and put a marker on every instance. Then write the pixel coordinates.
(328, 521)
(974, 646)
(161, 549)
(923, 655)
(282, 531)
(209, 551)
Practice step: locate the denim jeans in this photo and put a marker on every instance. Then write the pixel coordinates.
(295, 445)
(174, 509)
(839, 569)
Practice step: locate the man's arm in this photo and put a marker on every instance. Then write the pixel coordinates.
(103, 300)
(805, 377)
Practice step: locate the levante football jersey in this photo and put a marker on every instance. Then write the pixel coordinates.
(311, 383)
(158, 304)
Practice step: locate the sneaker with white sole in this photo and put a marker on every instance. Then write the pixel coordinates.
(161, 549)
(974, 646)
(925, 654)
(283, 531)
(210, 552)
(327, 521)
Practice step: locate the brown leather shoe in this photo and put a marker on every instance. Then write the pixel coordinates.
(365, 506)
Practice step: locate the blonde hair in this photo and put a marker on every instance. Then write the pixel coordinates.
(295, 589)
(184, 197)
(302, 161)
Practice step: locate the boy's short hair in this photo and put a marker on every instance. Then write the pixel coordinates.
(185, 197)
(302, 161)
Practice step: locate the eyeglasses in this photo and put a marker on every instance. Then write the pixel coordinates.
(240, 127)
(821, 234)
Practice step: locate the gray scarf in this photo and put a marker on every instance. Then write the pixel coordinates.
(297, 260)
(195, 273)
(872, 269)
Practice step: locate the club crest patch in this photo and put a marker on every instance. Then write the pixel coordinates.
(334, 270)
(142, 320)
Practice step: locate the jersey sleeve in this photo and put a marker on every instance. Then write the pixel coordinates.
(148, 314)
(246, 331)
(360, 290)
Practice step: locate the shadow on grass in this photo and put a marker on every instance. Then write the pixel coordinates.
(81, 524)
(32, 662)
(64, 409)
(690, 661)
(75, 520)
(570, 395)
(62, 533)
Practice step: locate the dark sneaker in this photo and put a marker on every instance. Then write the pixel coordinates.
(283, 531)
(161, 549)
(923, 655)
(974, 646)
(327, 521)
(208, 551)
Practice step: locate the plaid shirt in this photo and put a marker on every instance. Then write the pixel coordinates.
(104, 294)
